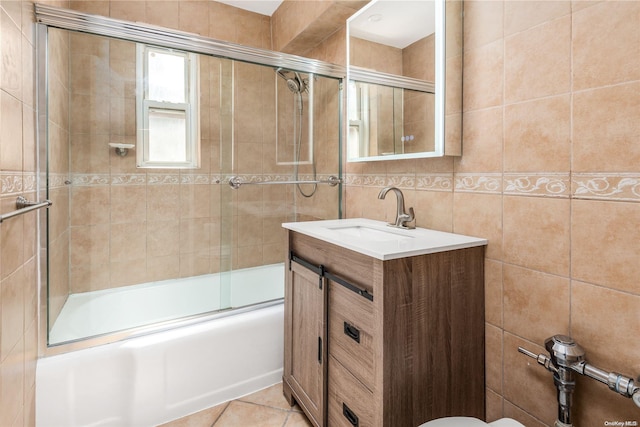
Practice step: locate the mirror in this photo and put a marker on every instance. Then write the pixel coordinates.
(404, 68)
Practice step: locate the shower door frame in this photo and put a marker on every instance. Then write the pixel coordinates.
(71, 20)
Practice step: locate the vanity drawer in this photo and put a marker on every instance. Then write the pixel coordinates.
(350, 403)
(351, 336)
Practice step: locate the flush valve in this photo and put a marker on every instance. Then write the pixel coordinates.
(566, 357)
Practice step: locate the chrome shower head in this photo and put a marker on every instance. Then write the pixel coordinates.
(296, 83)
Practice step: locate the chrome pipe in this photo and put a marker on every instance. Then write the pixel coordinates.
(235, 182)
(23, 206)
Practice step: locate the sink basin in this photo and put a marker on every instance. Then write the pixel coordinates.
(376, 234)
(378, 240)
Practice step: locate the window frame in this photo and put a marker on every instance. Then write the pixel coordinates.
(190, 108)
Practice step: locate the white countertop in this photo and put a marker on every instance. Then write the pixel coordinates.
(378, 240)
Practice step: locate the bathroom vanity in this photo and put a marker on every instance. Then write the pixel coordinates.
(383, 326)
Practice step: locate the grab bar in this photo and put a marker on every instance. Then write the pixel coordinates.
(23, 206)
(235, 182)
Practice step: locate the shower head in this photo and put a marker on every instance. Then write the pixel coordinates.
(295, 83)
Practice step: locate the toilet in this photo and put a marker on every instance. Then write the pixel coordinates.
(470, 422)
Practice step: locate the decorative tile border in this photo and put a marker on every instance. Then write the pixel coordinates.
(605, 186)
(435, 182)
(612, 186)
(537, 184)
(599, 186)
(475, 183)
(10, 183)
(17, 182)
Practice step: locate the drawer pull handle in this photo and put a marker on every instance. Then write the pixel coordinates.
(352, 332)
(349, 415)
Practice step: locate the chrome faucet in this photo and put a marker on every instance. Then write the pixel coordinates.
(402, 218)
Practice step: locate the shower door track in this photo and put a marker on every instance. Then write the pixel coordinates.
(68, 19)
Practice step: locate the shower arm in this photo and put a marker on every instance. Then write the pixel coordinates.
(235, 182)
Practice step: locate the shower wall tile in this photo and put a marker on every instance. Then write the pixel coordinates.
(11, 45)
(11, 132)
(164, 13)
(128, 241)
(87, 278)
(163, 268)
(128, 203)
(194, 234)
(127, 272)
(163, 201)
(90, 205)
(194, 17)
(163, 237)
(11, 240)
(195, 263)
(12, 315)
(90, 244)
(128, 10)
(606, 52)
(96, 7)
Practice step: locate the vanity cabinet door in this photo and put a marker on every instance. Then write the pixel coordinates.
(305, 340)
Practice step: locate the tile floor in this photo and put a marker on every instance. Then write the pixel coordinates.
(264, 408)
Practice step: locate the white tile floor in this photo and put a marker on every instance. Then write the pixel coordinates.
(264, 408)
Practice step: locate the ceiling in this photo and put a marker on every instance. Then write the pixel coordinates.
(263, 7)
(396, 23)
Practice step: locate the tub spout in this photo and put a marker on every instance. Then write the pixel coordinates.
(402, 218)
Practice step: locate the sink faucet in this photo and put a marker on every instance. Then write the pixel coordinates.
(402, 218)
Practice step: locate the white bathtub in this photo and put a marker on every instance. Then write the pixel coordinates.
(159, 377)
(95, 313)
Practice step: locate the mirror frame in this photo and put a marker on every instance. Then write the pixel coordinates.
(359, 74)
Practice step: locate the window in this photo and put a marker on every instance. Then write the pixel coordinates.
(168, 132)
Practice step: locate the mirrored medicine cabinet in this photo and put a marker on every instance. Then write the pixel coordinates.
(404, 73)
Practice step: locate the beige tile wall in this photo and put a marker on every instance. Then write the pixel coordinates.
(130, 225)
(550, 175)
(18, 263)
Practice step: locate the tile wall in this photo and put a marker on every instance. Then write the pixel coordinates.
(550, 175)
(18, 266)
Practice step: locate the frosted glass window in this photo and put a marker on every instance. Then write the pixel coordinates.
(168, 130)
(166, 77)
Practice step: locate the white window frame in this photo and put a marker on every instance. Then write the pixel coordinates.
(190, 109)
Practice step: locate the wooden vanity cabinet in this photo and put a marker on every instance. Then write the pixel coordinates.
(383, 343)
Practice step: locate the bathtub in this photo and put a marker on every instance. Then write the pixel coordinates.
(159, 377)
(90, 314)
